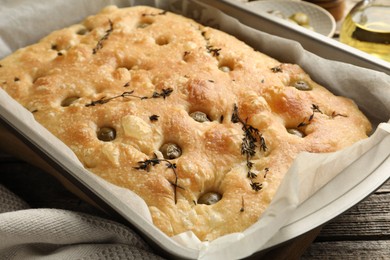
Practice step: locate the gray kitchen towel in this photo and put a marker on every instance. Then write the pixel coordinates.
(27, 233)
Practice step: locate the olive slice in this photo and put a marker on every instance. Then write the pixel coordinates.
(170, 151)
(199, 117)
(106, 134)
(296, 132)
(209, 198)
(302, 85)
(69, 101)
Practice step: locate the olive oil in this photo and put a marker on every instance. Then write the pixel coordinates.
(367, 27)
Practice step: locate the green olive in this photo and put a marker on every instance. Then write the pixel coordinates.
(82, 31)
(199, 117)
(209, 198)
(106, 134)
(296, 132)
(69, 101)
(300, 18)
(302, 85)
(225, 68)
(170, 151)
(143, 25)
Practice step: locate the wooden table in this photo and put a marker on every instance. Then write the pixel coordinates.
(363, 232)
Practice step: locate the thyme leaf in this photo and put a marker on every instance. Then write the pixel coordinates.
(266, 170)
(256, 186)
(153, 118)
(165, 92)
(99, 44)
(213, 51)
(242, 204)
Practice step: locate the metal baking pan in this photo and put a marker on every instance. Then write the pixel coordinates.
(321, 45)
(19, 138)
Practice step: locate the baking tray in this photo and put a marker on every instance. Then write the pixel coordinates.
(321, 45)
(17, 138)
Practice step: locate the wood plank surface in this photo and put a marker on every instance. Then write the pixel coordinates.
(370, 218)
(363, 232)
(348, 250)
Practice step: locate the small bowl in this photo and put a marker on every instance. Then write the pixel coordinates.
(319, 19)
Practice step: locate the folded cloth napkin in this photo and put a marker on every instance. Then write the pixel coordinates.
(27, 233)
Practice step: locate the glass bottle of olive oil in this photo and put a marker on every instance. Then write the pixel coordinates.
(367, 27)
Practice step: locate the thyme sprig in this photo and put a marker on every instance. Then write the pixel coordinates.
(215, 52)
(252, 136)
(315, 109)
(148, 163)
(99, 44)
(163, 94)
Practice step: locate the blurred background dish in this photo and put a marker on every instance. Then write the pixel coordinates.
(303, 14)
(334, 7)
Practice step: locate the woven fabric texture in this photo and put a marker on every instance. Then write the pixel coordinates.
(27, 233)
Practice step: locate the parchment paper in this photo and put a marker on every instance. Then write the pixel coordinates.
(24, 22)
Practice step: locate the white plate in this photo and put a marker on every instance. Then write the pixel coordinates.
(320, 19)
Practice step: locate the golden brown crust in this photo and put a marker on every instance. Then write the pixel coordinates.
(113, 63)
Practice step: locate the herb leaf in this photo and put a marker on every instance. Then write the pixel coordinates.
(164, 93)
(148, 163)
(316, 109)
(153, 118)
(99, 44)
(248, 146)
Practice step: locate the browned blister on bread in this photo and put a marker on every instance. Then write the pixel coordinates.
(194, 121)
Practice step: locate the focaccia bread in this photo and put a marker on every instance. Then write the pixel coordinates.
(194, 121)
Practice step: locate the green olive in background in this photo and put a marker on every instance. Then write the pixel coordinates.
(300, 18)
